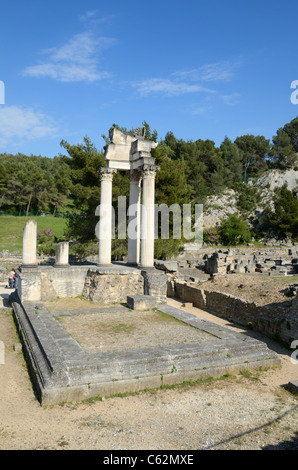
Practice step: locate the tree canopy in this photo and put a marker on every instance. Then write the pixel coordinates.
(190, 171)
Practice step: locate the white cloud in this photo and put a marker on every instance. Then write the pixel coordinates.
(24, 124)
(90, 14)
(75, 61)
(92, 17)
(231, 99)
(219, 71)
(168, 87)
(189, 81)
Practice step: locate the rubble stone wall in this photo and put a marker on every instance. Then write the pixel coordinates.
(108, 288)
(275, 321)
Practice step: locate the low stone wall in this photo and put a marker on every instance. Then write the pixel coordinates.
(109, 285)
(97, 284)
(187, 293)
(275, 321)
(47, 282)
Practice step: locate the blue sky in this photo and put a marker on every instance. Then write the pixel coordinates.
(201, 69)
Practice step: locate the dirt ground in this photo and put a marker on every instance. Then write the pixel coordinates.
(250, 411)
(115, 330)
(258, 288)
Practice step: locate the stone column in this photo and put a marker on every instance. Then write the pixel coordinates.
(134, 218)
(30, 244)
(61, 258)
(105, 213)
(147, 216)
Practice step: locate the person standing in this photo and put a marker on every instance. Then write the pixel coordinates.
(15, 280)
(11, 278)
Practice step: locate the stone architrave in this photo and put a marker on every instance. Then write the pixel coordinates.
(62, 254)
(134, 215)
(106, 216)
(30, 244)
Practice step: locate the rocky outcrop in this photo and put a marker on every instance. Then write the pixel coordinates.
(219, 207)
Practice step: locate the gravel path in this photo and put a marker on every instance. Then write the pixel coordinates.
(237, 412)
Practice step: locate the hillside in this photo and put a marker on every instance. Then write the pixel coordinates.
(219, 207)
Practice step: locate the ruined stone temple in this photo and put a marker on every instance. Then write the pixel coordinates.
(132, 154)
(60, 367)
(105, 281)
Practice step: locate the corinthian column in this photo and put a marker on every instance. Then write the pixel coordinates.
(134, 218)
(147, 216)
(105, 213)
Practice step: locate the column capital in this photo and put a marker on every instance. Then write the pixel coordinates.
(149, 171)
(107, 174)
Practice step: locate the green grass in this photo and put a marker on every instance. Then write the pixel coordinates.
(11, 229)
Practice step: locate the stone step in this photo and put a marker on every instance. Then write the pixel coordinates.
(4, 296)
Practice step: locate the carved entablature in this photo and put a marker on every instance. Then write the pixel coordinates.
(126, 152)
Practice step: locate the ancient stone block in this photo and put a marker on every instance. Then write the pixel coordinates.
(110, 285)
(141, 302)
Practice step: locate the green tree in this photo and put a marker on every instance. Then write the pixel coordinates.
(84, 161)
(232, 162)
(255, 151)
(282, 152)
(248, 197)
(291, 128)
(234, 231)
(284, 218)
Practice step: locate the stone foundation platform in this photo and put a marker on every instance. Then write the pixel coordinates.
(62, 371)
(105, 284)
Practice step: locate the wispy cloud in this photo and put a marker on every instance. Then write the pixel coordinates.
(168, 87)
(18, 123)
(93, 17)
(196, 80)
(231, 99)
(75, 61)
(219, 71)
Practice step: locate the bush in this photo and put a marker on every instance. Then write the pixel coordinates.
(234, 231)
(46, 242)
(166, 249)
(211, 236)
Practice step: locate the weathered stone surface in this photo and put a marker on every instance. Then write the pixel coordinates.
(272, 320)
(46, 286)
(62, 254)
(155, 283)
(109, 285)
(293, 386)
(141, 302)
(167, 266)
(48, 282)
